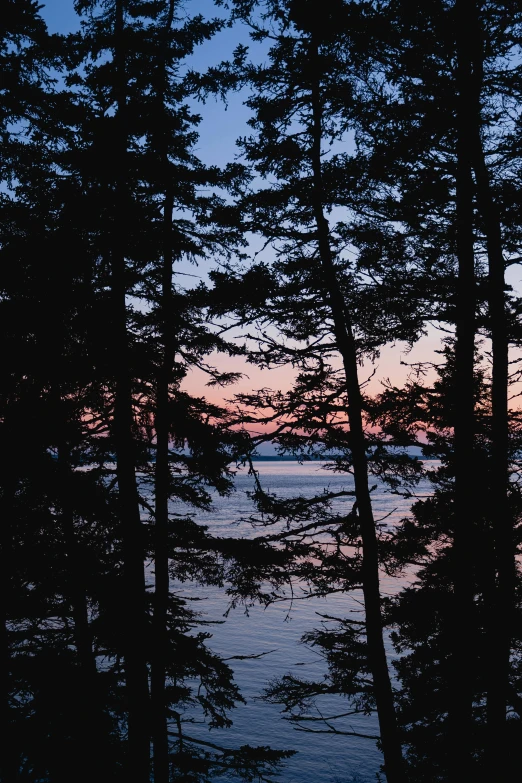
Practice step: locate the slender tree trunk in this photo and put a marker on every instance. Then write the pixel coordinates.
(133, 599)
(391, 746)
(161, 592)
(88, 715)
(502, 601)
(463, 655)
(7, 767)
(9, 758)
(162, 473)
(162, 482)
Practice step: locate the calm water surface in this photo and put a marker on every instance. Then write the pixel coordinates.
(320, 758)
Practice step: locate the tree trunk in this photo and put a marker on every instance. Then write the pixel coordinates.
(162, 473)
(462, 657)
(88, 713)
(133, 598)
(162, 482)
(390, 741)
(10, 756)
(501, 605)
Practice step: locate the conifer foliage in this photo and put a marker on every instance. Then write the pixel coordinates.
(102, 198)
(381, 174)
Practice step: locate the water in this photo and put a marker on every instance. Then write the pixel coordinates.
(327, 758)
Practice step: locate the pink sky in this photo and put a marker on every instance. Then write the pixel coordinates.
(387, 366)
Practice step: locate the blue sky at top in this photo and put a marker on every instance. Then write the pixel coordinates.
(221, 125)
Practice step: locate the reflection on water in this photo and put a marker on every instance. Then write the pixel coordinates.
(321, 757)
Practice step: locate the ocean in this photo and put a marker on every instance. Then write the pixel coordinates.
(277, 631)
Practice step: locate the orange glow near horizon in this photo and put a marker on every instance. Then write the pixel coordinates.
(392, 364)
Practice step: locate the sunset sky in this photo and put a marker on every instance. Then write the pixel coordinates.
(220, 127)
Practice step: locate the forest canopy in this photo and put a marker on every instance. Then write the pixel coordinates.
(370, 207)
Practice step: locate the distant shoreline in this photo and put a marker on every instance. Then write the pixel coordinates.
(324, 458)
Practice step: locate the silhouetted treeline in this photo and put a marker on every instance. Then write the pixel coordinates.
(382, 175)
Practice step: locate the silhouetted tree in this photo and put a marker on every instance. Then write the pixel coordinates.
(303, 101)
(75, 396)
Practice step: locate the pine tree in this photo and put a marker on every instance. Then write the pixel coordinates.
(302, 100)
(72, 400)
(432, 152)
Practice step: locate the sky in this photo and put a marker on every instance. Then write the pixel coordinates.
(221, 126)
